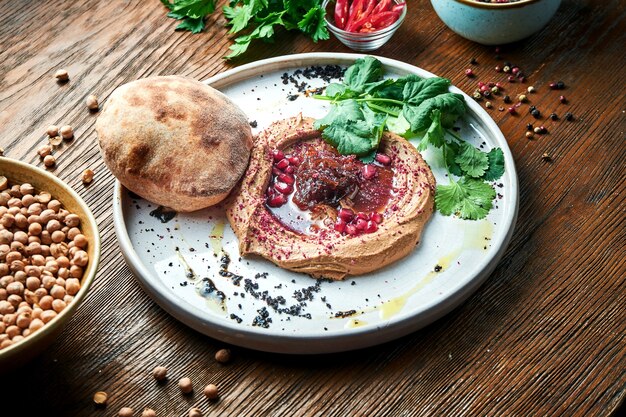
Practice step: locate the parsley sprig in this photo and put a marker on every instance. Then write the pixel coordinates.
(253, 19)
(365, 104)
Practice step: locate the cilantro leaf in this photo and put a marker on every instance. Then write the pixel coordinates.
(341, 112)
(364, 71)
(467, 198)
(450, 150)
(398, 125)
(496, 165)
(192, 8)
(420, 116)
(313, 24)
(416, 91)
(435, 135)
(472, 161)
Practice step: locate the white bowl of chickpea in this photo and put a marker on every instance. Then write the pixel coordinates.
(49, 254)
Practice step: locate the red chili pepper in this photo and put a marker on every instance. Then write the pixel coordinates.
(383, 19)
(356, 7)
(398, 8)
(341, 13)
(382, 6)
(360, 18)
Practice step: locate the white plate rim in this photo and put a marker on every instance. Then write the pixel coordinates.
(260, 339)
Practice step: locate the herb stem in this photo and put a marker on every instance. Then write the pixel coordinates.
(380, 100)
(381, 109)
(454, 135)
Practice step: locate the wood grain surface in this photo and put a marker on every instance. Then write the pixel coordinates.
(544, 336)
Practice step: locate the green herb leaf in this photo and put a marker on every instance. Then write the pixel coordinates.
(467, 198)
(435, 135)
(313, 24)
(192, 25)
(417, 91)
(472, 161)
(450, 151)
(363, 72)
(420, 116)
(496, 165)
(341, 112)
(398, 125)
(192, 8)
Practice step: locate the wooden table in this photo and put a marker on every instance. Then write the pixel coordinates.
(543, 336)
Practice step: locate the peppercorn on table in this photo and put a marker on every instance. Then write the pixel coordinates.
(545, 333)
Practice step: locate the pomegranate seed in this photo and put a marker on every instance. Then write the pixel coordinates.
(278, 155)
(553, 86)
(360, 224)
(484, 88)
(276, 200)
(511, 79)
(287, 179)
(512, 110)
(469, 72)
(500, 85)
(283, 188)
(276, 171)
(294, 160)
(491, 84)
(515, 70)
(562, 99)
(372, 226)
(289, 170)
(480, 84)
(368, 171)
(498, 68)
(345, 214)
(361, 215)
(351, 230)
(377, 217)
(340, 226)
(282, 164)
(383, 159)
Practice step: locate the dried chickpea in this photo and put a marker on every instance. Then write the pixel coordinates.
(100, 398)
(76, 271)
(23, 320)
(49, 161)
(3, 328)
(36, 324)
(13, 331)
(6, 343)
(159, 373)
(148, 412)
(48, 315)
(6, 236)
(57, 292)
(68, 298)
(185, 385)
(72, 220)
(15, 287)
(44, 198)
(29, 199)
(15, 300)
(21, 237)
(44, 151)
(210, 391)
(58, 305)
(223, 356)
(57, 236)
(195, 412)
(126, 412)
(80, 258)
(92, 102)
(87, 176)
(46, 302)
(52, 130)
(62, 75)
(34, 229)
(66, 132)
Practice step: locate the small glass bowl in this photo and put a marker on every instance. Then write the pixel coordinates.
(363, 42)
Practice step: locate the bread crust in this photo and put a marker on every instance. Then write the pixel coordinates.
(174, 141)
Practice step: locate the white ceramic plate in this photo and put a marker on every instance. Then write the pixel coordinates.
(271, 309)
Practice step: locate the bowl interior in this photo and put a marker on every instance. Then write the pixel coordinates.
(20, 172)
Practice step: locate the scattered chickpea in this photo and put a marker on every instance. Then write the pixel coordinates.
(148, 412)
(66, 132)
(100, 398)
(62, 75)
(49, 161)
(126, 412)
(52, 131)
(185, 385)
(223, 356)
(195, 412)
(88, 176)
(159, 373)
(531, 89)
(210, 391)
(44, 151)
(48, 315)
(92, 102)
(523, 98)
(530, 135)
(55, 140)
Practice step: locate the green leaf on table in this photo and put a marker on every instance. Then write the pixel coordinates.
(313, 24)
(238, 17)
(192, 8)
(467, 198)
(472, 161)
(192, 25)
(496, 165)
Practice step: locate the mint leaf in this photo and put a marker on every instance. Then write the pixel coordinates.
(469, 199)
(496, 165)
(313, 24)
(472, 161)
